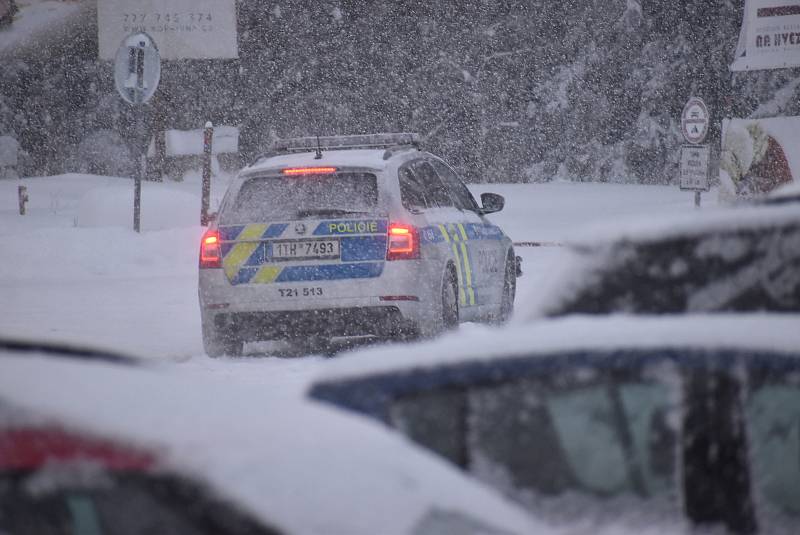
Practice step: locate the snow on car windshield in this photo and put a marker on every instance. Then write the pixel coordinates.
(282, 197)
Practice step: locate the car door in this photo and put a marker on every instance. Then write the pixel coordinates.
(447, 229)
(484, 248)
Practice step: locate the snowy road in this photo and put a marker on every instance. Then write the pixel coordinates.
(72, 276)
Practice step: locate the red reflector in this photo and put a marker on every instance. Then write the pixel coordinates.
(210, 252)
(309, 171)
(399, 298)
(403, 242)
(26, 449)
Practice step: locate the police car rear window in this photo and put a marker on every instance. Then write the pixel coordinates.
(282, 197)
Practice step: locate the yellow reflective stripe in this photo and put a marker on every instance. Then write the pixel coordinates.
(462, 296)
(240, 252)
(454, 235)
(468, 271)
(445, 234)
(266, 274)
(463, 232)
(237, 256)
(252, 232)
(467, 267)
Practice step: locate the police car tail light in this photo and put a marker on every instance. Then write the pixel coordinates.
(295, 171)
(210, 253)
(403, 242)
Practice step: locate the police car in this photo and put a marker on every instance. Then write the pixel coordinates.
(350, 236)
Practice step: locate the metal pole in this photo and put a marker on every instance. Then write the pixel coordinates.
(208, 136)
(137, 193)
(22, 191)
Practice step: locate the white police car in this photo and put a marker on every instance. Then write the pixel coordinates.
(350, 236)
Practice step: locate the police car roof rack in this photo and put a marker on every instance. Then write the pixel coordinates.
(391, 142)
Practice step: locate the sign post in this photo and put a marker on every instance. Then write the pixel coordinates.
(208, 136)
(137, 71)
(694, 156)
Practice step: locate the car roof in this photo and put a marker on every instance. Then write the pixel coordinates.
(758, 332)
(720, 219)
(357, 158)
(298, 465)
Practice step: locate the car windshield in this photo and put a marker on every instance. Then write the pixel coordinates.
(281, 197)
(632, 431)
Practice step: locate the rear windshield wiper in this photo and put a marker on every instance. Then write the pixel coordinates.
(331, 212)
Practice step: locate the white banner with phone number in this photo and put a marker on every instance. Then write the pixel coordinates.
(182, 29)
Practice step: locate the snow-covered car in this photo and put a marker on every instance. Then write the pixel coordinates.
(734, 259)
(92, 445)
(350, 236)
(625, 424)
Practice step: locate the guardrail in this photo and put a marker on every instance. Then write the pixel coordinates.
(538, 244)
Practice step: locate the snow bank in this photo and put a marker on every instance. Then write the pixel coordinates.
(162, 208)
(555, 211)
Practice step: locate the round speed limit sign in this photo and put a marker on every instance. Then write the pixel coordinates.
(694, 121)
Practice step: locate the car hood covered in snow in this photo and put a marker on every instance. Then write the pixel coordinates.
(296, 465)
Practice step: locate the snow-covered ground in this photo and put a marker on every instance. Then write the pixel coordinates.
(74, 270)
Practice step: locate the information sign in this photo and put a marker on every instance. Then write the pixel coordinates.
(694, 168)
(137, 68)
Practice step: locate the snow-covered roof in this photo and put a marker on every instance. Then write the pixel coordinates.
(712, 220)
(777, 332)
(366, 158)
(38, 20)
(298, 465)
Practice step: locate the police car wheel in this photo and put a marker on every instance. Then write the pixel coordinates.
(509, 291)
(449, 303)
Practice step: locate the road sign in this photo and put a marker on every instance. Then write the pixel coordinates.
(694, 121)
(137, 68)
(694, 168)
(182, 29)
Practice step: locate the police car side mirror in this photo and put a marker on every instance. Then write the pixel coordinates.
(492, 202)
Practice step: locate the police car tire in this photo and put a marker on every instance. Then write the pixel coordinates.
(449, 302)
(509, 291)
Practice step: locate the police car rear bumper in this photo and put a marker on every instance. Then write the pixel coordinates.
(381, 321)
(393, 304)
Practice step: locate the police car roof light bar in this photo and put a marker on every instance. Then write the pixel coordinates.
(394, 142)
(368, 141)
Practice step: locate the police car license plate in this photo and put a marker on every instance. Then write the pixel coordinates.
(306, 250)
